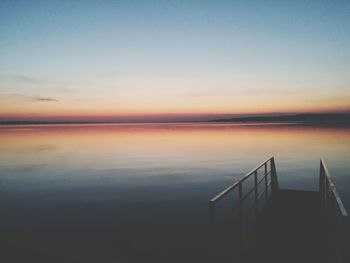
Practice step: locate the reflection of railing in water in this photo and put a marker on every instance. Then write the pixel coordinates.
(337, 217)
(269, 179)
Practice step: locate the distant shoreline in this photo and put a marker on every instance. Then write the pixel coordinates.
(300, 118)
(307, 118)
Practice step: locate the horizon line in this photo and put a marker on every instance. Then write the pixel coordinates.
(263, 117)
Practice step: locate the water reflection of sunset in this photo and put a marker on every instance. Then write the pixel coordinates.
(174, 143)
(58, 176)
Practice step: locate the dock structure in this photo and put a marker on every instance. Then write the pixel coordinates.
(254, 220)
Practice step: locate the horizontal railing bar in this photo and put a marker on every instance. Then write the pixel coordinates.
(263, 178)
(236, 206)
(248, 193)
(225, 192)
(255, 169)
(334, 190)
(255, 204)
(262, 193)
(265, 190)
(252, 190)
(243, 178)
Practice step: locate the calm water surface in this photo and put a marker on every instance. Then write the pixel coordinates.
(131, 192)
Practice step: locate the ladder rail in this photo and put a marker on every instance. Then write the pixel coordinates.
(268, 181)
(337, 217)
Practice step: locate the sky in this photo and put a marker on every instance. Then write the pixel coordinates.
(123, 60)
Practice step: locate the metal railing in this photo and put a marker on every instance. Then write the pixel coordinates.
(239, 208)
(337, 218)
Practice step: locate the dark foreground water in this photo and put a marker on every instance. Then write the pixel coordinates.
(139, 192)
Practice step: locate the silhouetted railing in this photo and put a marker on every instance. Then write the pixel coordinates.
(337, 217)
(247, 201)
(232, 225)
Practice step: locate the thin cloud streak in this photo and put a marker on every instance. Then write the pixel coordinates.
(61, 85)
(46, 99)
(20, 96)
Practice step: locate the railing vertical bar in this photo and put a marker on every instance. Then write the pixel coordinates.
(256, 201)
(321, 183)
(274, 181)
(242, 220)
(266, 187)
(240, 204)
(332, 227)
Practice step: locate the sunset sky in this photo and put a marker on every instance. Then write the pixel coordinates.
(97, 60)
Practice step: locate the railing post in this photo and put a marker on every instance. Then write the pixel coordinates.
(274, 180)
(322, 184)
(244, 230)
(241, 223)
(266, 186)
(256, 201)
(332, 229)
(320, 188)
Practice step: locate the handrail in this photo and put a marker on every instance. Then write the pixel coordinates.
(333, 188)
(338, 230)
(244, 212)
(243, 178)
(336, 215)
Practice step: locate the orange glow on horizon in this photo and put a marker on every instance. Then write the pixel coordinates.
(162, 109)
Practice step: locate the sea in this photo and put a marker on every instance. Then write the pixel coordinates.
(140, 192)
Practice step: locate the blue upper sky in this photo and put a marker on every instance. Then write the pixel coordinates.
(133, 57)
